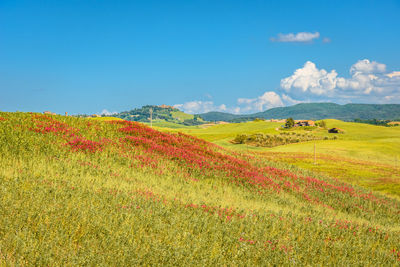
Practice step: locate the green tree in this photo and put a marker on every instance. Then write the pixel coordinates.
(289, 123)
(321, 124)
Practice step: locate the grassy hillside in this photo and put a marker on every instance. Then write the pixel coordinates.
(360, 141)
(79, 192)
(219, 116)
(181, 116)
(223, 133)
(373, 175)
(365, 154)
(105, 119)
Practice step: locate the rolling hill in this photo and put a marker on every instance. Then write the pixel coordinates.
(222, 116)
(160, 114)
(89, 192)
(316, 111)
(365, 154)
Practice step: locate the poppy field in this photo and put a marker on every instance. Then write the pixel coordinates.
(75, 191)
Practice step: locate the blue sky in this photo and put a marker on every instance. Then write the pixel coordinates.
(234, 56)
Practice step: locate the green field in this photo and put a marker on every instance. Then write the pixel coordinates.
(223, 133)
(360, 141)
(365, 155)
(181, 115)
(87, 192)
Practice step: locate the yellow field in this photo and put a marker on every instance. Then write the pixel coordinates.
(90, 192)
(365, 155)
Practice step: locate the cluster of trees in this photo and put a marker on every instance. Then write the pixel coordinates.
(158, 113)
(197, 120)
(321, 124)
(143, 114)
(290, 123)
(284, 138)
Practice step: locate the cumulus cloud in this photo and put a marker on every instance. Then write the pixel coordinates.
(309, 79)
(107, 113)
(269, 99)
(393, 74)
(290, 101)
(195, 107)
(368, 82)
(301, 37)
(266, 101)
(366, 66)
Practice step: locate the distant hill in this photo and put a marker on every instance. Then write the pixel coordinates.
(219, 116)
(316, 111)
(160, 114)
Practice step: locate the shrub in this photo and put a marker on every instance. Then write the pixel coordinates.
(289, 123)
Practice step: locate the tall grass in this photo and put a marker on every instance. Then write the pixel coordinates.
(81, 192)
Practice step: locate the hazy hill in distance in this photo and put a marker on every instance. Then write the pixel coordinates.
(316, 111)
(159, 113)
(223, 116)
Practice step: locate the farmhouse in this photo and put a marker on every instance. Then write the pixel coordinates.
(335, 130)
(277, 120)
(166, 106)
(304, 123)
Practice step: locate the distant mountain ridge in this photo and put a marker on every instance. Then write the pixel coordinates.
(316, 111)
(306, 111)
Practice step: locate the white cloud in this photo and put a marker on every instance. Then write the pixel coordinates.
(366, 66)
(290, 101)
(222, 107)
(301, 37)
(393, 74)
(326, 40)
(309, 79)
(266, 101)
(236, 110)
(195, 107)
(107, 113)
(369, 82)
(363, 83)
